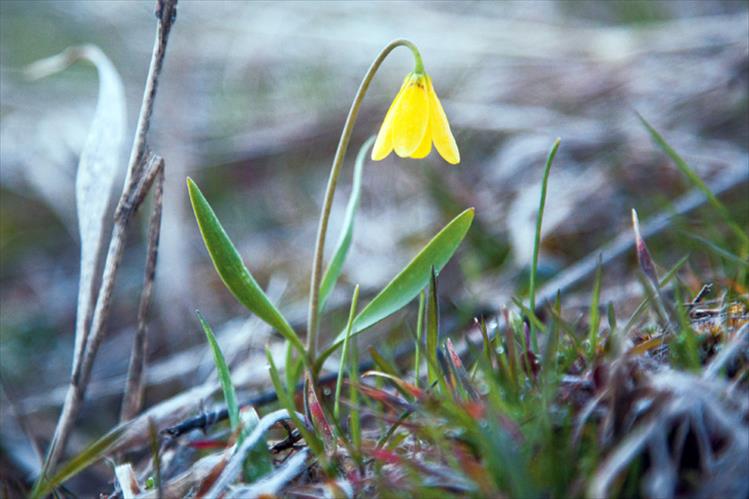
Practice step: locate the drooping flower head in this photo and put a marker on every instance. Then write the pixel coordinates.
(414, 122)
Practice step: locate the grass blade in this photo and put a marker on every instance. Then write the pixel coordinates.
(433, 331)
(344, 354)
(695, 179)
(86, 458)
(595, 313)
(537, 237)
(717, 250)
(224, 376)
(356, 433)
(643, 254)
(419, 337)
(232, 270)
(335, 267)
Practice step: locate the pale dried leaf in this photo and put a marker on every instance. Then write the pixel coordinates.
(98, 167)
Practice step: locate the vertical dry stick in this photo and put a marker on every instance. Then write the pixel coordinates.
(136, 185)
(134, 388)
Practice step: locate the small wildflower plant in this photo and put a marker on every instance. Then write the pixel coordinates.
(525, 404)
(413, 123)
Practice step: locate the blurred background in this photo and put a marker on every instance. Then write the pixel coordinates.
(251, 103)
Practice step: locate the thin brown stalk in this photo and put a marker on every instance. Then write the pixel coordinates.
(135, 387)
(138, 181)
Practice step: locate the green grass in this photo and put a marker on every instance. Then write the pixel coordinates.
(535, 404)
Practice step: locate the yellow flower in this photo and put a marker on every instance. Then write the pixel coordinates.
(415, 120)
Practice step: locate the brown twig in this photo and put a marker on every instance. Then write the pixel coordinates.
(138, 181)
(134, 387)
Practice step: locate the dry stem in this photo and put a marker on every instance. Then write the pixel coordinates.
(138, 181)
(134, 388)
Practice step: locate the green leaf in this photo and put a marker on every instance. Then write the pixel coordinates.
(232, 270)
(224, 376)
(411, 280)
(86, 458)
(644, 303)
(695, 179)
(335, 267)
(714, 248)
(419, 336)
(537, 236)
(595, 313)
(433, 331)
(339, 381)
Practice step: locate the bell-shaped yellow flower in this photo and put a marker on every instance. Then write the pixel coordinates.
(414, 121)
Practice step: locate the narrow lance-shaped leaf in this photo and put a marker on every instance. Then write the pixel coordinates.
(90, 455)
(643, 254)
(717, 250)
(595, 313)
(342, 365)
(419, 336)
(537, 236)
(232, 270)
(224, 375)
(99, 166)
(333, 272)
(433, 330)
(405, 286)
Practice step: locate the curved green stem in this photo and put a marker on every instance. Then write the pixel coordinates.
(419, 64)
(335, 170)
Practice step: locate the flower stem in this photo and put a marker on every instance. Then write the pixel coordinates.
(335, 170)
(419, 64)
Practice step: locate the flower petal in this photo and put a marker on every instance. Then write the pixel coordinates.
(411, 116)
(426, 144)
(384, 144)
(440, 128)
